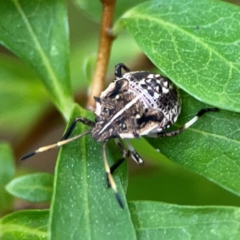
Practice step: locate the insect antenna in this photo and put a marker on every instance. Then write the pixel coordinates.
(55, 145)
(110, 177)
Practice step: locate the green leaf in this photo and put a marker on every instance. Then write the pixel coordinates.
(210, 147)
(82, 205)
(21, 92)
(7, 170)
(38, 34)
(25, 225)
(35, 187)
(195, 43)
(166, 221)
(93, 8)
(168, 182)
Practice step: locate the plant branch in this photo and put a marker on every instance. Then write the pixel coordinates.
(104, 50)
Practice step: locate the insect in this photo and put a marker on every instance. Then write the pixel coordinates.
(135, 104)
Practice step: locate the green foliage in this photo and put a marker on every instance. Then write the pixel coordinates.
(7, 170)
(20, 92)
(42, 42)
(33, 187)
(25, 225)
(165, 221)
(193, 43)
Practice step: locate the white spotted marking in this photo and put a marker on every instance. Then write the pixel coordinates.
(165, 84)
(165, 90)
(148, 80)
(150, 76)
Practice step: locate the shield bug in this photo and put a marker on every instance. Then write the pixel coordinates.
(135, 104)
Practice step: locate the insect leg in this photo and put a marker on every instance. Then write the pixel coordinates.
(135, 156)
(125, 154)
(110, 177)
(186, 125)
(73, 125)
(55, 145)
(118, 70)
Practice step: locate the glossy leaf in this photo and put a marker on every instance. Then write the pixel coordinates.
(82, 205)
(93, 9)
(210, 147)
(154, 220)
(25, 225)
(7, 170)
(38, 34)
(33, 187)
(195, 43)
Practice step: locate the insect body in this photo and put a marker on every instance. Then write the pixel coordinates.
(136, 104)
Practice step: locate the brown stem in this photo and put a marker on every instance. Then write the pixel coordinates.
(103, 52)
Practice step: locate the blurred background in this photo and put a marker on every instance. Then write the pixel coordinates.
(28, 120)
